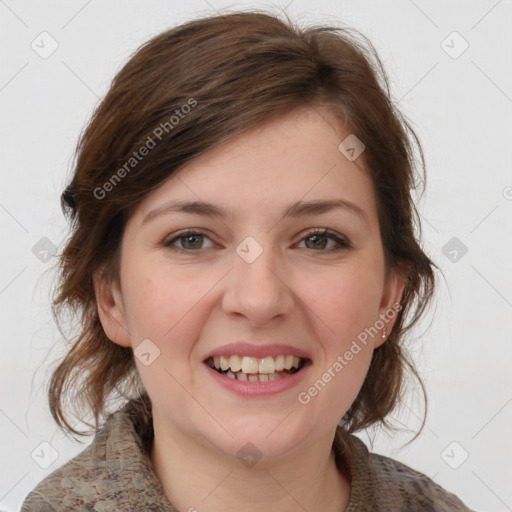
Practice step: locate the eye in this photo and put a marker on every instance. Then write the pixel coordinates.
(191, 239)
(316, 235)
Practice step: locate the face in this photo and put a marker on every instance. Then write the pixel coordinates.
(255, 289)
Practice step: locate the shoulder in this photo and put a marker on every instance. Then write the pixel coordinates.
(75, 484)
(111, 474)
(410, 488)
(380, 483)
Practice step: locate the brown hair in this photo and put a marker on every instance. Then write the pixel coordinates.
(202, 83)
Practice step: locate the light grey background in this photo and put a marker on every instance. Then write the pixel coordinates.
(459, 103)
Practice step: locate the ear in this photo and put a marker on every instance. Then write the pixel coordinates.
(110, 309)
(390, 305)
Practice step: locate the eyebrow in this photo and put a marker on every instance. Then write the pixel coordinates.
(295, 210)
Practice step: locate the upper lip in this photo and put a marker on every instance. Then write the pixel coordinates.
(243, 348)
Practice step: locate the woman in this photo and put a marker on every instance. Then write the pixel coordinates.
(244, 267)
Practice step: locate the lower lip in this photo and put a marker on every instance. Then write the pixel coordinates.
(269, 388)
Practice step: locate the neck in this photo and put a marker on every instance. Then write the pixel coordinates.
(195, 477)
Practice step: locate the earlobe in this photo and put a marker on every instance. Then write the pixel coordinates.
(390, 305)
(111, 310)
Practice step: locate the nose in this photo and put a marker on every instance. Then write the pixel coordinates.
(259, 289)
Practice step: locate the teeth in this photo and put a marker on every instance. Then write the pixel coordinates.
(249, 365)
(255, 377)
(224, 363)
(255, 369)
(267, 365)
(235, 363)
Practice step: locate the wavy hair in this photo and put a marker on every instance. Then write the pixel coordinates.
(219, 76)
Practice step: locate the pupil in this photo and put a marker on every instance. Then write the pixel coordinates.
(191, 237)
(316, 237)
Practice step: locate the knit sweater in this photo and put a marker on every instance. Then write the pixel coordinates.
(114, 474)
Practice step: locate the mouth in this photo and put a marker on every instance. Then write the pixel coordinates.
(257, 369)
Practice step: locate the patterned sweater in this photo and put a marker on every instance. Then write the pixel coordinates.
(113, 474)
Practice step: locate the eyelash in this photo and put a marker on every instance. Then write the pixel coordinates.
(342, 243)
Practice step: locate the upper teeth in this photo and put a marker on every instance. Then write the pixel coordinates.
(248, 364)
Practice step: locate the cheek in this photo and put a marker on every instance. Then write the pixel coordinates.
(344, 308)
(345, 305)
(160, 307)
(158, 298)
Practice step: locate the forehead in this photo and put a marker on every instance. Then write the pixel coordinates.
(292, 157)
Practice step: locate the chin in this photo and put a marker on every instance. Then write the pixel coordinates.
(263, 440)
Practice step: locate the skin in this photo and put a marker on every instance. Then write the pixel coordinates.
(296, 292)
